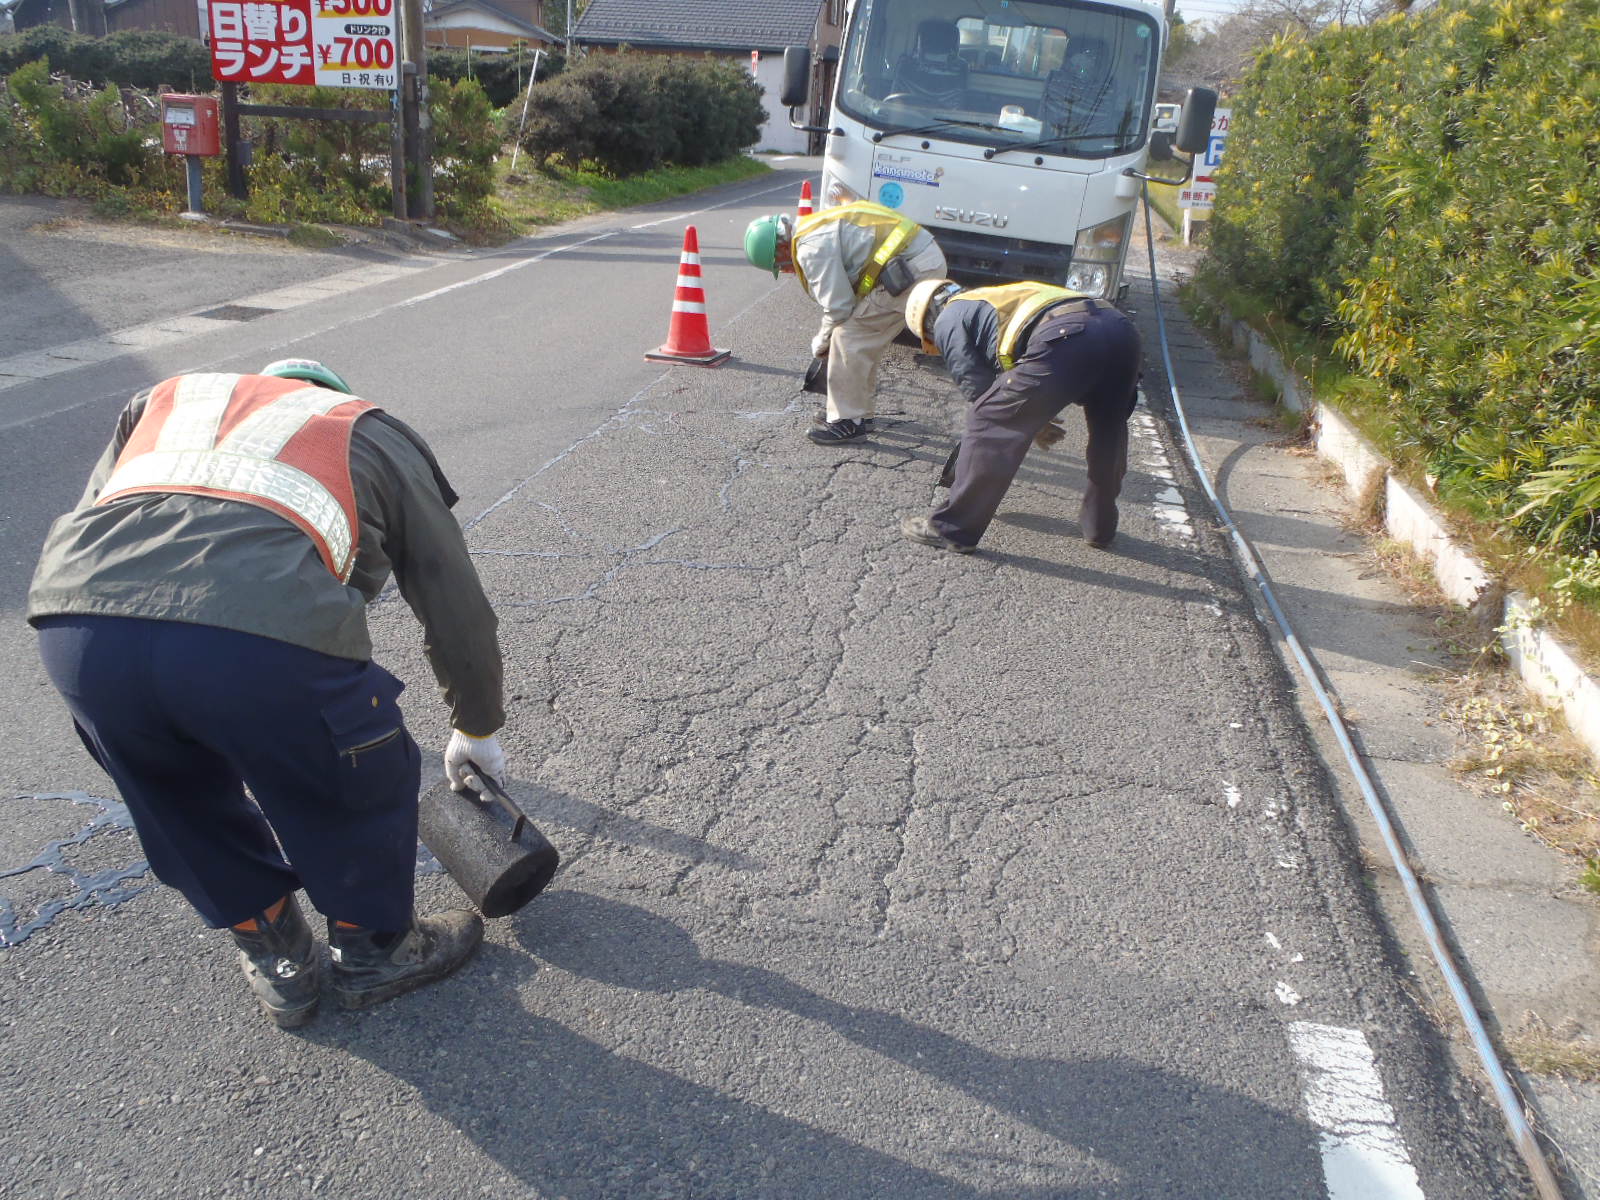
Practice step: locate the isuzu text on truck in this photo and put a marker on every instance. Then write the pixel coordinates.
(1017, 132)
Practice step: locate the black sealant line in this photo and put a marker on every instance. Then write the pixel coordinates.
(106, 887)
(103, 888)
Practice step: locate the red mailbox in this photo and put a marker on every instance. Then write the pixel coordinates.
(189, 124)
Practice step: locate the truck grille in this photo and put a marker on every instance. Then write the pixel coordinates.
(981, 257)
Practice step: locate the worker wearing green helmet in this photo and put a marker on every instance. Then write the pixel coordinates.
(856, 262)
(203, 613)
(310, 370)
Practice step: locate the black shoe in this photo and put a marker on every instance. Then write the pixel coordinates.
(371, 966)
(819, 416)
(833, 433)
(1098, 521)
(279, 958)
(920, 529)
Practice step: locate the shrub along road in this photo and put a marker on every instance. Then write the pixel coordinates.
(887, 873)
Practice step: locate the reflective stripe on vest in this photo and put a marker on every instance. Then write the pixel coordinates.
(279, 444)
(1018, 304)
(889, 229)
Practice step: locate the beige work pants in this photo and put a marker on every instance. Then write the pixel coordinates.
(856, 347)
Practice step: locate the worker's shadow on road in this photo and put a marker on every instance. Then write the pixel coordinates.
(570, 1116)
(1106, 568)
(745, 366)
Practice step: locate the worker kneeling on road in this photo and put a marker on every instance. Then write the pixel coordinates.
(857, 261)
(203, 613)
(1021, 353)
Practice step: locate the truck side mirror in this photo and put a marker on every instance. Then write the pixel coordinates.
(1194, 127)
(797, 77)
(1161, 146)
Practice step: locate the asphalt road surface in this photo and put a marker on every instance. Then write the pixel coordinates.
(887, 873)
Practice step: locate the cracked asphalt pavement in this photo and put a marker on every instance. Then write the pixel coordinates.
(886, 872)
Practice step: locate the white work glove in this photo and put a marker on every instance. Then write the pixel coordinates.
(821, 343)
(484, 751)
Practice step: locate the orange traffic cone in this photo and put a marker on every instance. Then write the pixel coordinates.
(805, 209)
(689, 336)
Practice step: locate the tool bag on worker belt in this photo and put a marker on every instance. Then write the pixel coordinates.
(896, 277)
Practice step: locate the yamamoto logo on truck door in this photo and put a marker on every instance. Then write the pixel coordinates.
(903, 174)
(970, 216)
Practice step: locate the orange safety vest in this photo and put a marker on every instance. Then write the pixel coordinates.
(890, 232)
(280, 444)
(1018, 304)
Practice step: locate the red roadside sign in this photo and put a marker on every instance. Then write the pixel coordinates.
(331, 43)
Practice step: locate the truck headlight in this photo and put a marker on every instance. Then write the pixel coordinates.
(1102, 243)
(1097, 257)
(1092, 279)
(835, 193)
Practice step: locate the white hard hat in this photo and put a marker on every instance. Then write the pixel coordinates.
(918, 302)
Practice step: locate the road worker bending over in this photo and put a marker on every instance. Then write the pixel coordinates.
(856, 261)
(1022, 352)
(203, 613)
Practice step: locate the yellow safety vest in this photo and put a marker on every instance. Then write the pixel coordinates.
(1018, 304)
(890, 230)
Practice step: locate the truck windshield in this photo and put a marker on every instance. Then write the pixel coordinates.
(1076, 78)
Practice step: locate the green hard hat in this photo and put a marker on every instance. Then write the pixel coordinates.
(310, 370)
(761, 243)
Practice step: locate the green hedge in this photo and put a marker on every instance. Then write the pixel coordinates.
(131, 58)
(62, 140)
(1427, 191)
(629, 113)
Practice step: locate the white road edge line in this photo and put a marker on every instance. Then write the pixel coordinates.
(1168, 507)
(562, 249)
(1363, 1155)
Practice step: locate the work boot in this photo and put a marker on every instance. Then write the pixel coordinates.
(279, 958)
(834, 433)
(920, 529)
(371, 965)
(1097, 517)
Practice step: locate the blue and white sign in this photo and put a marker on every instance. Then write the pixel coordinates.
(891, 195)
(1201, 192)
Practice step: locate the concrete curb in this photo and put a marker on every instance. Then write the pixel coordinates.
(1546, 667)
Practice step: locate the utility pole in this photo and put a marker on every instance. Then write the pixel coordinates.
(569, 33)
(418, 120)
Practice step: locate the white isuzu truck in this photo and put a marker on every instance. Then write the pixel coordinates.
(1017, 132)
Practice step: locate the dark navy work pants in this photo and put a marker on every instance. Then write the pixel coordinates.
(1086, 354)
(185, 717)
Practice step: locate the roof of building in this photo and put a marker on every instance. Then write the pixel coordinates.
(449, 6)
(700, 24)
